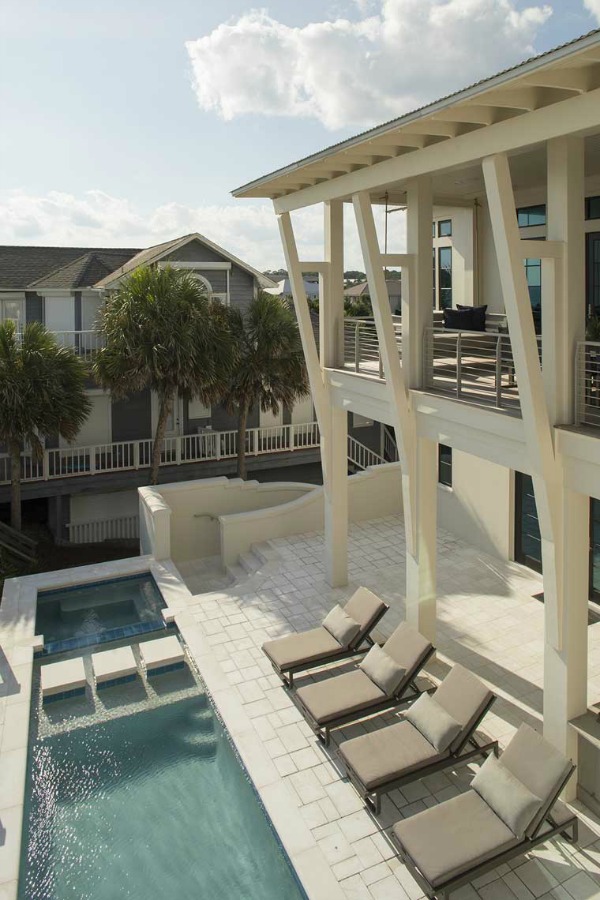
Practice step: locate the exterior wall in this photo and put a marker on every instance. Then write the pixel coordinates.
(462, 243)
(87, 507)
(241, 287)
(97, 429)
(132, 418)
(223, 421)
(479, 507)
(194, 251)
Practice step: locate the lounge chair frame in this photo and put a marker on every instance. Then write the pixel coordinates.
(569, 829)
(469, 748)
(364, 637)
(323, 731)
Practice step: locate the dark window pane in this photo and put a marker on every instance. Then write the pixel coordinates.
(445, 465)
(528, 548)
(445, 228)
(445, 277)
(528, 216)
(592, 208)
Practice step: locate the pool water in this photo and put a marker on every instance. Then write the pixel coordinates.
(145, 806)
(91, 614)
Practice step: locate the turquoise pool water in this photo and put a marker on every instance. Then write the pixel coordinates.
(145, 806)
(91, 614)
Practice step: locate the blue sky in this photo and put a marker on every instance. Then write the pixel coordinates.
(126, 123)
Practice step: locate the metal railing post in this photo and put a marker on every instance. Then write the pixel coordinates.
(357, 347)
(499, 371)
(459, 364)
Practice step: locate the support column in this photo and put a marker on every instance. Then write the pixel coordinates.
(421, 563)
(417, 315)
(565, 669)
(334, 445)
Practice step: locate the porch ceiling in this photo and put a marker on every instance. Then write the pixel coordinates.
(564, 74)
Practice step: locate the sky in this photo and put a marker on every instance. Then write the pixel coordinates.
(128, 122)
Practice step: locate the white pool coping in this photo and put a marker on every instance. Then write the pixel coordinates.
(17, 644)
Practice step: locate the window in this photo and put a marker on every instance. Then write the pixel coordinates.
(445, 228)
(445, 277)
(13, 310)
(445, 465)
(529, 216)
(361, 421)
(592, 207)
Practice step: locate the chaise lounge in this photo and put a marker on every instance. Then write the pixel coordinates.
(437, 732)
(301, 651)
(512, 807)
(383, 679)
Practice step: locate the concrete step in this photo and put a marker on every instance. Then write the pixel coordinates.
(249, 562)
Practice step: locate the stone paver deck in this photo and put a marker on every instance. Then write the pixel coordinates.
(488, 621)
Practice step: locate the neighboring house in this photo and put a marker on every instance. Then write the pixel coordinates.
(496, 410)
(64, 287)
(394, 289)
(283, 289)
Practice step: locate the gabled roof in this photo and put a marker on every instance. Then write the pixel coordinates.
(156, 253)
(85, 271)
(22, 266)
(375, 143)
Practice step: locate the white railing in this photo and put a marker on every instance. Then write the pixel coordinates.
(192, 448)
(361, 345)
(477, 366)
(587, 383)
(361, 456)
(84, 343)
(97, 530)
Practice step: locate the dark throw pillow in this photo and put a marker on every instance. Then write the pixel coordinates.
(478, 313)
(460, 319)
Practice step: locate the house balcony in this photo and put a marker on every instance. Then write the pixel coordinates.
(84, 343)
(587, 384)
(361, 345)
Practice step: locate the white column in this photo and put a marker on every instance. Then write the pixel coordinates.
(563, 324)
(421, 564)
(417, 315)
(565, 669)
(334, 444)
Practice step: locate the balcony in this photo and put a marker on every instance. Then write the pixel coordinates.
(587, 384)
(361, 345)
(70, 462)
(84, 343)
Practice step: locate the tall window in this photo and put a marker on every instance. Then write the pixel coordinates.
(445, 465)
(445, 277)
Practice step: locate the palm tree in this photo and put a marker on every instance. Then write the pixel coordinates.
(42, 393)
(162, 332)
(271, 371)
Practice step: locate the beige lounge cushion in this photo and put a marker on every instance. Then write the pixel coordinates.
(340, 695)
(301, 647)
(364, 607)
(538, 765)
(434, 723)
(507, 796)
(382, 669)
(341, 626)
(407, 647)
(451, 838)
(465, 697)
(391, 752)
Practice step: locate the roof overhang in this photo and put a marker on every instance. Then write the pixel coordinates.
(553, 94)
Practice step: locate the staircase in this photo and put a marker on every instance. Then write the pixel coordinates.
(17, 544)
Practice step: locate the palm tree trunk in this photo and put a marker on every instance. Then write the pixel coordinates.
(15, 485)
(241, 441)
(161, 426)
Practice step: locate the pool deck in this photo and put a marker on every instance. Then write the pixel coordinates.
(487, 620)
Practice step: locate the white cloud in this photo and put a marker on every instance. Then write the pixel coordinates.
(95, 219)
(355, 73)
(593, 7)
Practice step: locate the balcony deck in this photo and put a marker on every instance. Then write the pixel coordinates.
(488, 621)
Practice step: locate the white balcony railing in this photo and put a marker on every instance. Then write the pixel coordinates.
(587, 383)
(130, 455)
(361, 345)
(84, 343)
(97, 530)
(472, 365)
(362, 456)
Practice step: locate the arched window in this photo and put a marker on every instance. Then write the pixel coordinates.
(205, 283)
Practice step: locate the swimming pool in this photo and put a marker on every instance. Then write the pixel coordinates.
(91, 614)
(151, 804)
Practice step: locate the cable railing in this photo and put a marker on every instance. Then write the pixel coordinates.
(69, 462)
(587, 383)
(477, 366)
(361, 345)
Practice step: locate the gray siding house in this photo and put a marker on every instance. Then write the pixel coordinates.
(90, 485)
